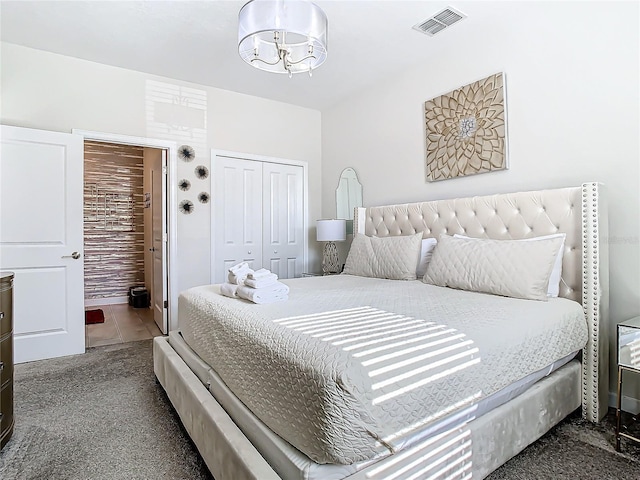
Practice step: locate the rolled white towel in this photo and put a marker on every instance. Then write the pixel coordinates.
(263, 272)
(229, 290)
(236, 280)
(238, 277)
(279, 292)
(262, 282)
(238, 266)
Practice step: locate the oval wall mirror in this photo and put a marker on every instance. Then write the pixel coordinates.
(348, 196)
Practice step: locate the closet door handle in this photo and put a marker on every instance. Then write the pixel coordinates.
(74, 255)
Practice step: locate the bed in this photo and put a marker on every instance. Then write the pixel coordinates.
(247, 395)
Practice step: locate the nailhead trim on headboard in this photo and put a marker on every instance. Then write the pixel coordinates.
(595, 300)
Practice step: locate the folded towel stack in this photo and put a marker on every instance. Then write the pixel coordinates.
(261, 286)
(276, 292)
(238, 273)
(261, 278)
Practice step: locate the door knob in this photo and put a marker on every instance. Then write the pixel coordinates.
(249, 252)
(74, 255)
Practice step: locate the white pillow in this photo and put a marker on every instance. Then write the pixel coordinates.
(394, 258)
(502, 267)
(426, 250)
(554, 280)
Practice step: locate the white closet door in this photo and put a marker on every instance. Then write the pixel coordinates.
(283, 210)
(237, 225)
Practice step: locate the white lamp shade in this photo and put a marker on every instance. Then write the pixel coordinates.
(301, 26)
(331, 230)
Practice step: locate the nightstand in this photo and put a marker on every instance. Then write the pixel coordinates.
(628, 341)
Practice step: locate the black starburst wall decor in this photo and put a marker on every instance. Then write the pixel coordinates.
(184, 184)
(203, 197)
(186, 207)
(202, 172)
(186, 153)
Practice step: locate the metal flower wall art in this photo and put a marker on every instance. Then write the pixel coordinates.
(466, 130)
(186, 207)
(184, 184)
(186, 153)
(201, 172)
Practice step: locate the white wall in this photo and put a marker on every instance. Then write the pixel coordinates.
(573, 116)
(53, 92)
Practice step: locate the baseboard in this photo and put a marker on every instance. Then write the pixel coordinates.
(629, 404)
(94, 302)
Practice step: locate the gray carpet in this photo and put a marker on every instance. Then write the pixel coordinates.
(102, 416)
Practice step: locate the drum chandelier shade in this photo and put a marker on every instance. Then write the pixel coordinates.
(282, 36)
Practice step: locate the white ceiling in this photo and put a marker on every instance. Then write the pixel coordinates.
(196, 41)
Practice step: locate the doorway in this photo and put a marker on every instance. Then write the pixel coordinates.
(124, 254)
(159, 252)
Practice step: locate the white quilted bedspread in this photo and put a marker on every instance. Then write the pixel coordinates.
(349, 367)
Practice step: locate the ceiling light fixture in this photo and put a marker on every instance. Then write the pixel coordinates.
(282, 36)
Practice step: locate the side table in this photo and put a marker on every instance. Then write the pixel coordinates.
(628, 347)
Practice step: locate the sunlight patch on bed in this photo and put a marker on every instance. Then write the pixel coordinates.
(357, 323)
(457, 414)
(423, 346)
(312, 316)
(443, 456)
(420, 383)
(405, 349)
(388, 346)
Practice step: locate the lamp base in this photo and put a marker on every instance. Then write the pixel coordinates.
(330, 261)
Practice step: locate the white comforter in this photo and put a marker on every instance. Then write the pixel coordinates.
(349, 367)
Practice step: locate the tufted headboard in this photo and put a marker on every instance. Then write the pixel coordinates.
(579, 212)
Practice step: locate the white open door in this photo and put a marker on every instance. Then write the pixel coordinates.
(41, 180)
(159, 234)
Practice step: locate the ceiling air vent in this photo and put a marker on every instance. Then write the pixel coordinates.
(439, 21)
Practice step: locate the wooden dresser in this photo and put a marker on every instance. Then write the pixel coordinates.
(6, 357)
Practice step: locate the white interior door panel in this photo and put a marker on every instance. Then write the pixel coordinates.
(259, 215)
(238, 214)
(41, 240)
(283, 244)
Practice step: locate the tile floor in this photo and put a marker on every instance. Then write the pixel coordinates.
(122, 323)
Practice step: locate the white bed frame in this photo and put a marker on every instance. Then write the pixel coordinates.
(579, 212)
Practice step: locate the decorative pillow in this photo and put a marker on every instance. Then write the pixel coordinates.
(554, 280)
(510, 268)
(394, 258)
(428, 244)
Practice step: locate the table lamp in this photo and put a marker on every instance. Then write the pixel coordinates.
(331, 231)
